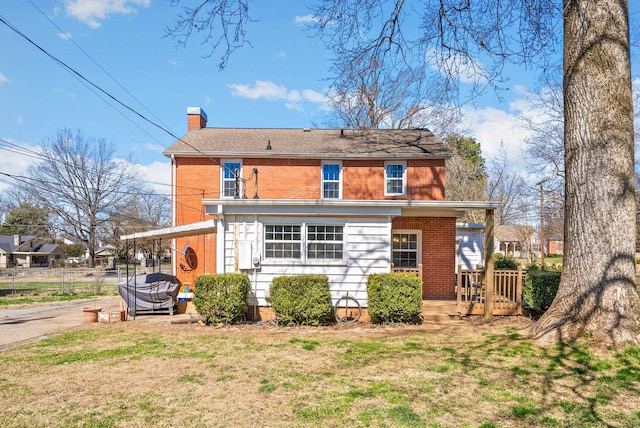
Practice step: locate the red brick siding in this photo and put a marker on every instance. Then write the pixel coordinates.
(196, 178)
(284, 178)
(425, 179)
(438, 253)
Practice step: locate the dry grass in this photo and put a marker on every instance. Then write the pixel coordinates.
(452, 375)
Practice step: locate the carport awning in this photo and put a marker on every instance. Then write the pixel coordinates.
(192, 229)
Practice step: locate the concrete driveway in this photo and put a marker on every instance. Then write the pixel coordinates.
(20, 326)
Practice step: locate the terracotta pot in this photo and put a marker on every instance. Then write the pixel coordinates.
(91, 314)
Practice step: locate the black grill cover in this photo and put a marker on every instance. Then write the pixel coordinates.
(150, 292)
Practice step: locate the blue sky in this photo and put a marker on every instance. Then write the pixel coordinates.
(279, 82)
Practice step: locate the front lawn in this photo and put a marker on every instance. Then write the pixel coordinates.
(462, 374)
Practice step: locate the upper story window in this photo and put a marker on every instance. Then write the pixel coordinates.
(395, 178)
(331, 180)
(231, 188)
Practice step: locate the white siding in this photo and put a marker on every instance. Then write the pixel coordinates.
(367, 250)
(469, 246)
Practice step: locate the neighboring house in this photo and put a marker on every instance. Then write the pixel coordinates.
(516, 240)
(469, 245)
(554, 244)
(343, 203)
(27, 251)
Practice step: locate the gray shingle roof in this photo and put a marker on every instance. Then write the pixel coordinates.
(7, 243)
(309, 143)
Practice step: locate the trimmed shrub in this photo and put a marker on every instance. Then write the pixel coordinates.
(221, 298)
(301, 300)
(504, 262)
(540, 288)
(394, 297)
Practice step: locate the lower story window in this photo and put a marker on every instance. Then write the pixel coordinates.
(320, 242)
(405, 250)
(325, 242)
(282, 241)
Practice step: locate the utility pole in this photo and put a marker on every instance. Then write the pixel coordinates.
(540, 183)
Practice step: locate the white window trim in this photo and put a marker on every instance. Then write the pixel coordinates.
(301, 242)
(303, 260)
(417, 232)
(222, 179)
(339, 163)
(404, 177)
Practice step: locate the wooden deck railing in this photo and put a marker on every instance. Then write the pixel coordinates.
(416, 271)
(507, 294)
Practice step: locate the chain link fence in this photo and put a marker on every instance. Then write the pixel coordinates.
(44, 282)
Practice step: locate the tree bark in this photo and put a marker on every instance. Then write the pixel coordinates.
(597, 298)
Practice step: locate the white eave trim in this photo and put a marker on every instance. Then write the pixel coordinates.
(192, 229)
(324, 207)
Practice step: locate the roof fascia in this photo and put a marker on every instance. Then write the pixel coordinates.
(321, 207)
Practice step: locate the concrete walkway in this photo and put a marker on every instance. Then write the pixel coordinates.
(20, 326)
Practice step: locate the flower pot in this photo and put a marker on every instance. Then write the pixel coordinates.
(91, 314)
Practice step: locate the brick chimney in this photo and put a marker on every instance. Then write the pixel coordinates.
(196, 118)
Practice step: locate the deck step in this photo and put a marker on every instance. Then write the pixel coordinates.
(439, 310)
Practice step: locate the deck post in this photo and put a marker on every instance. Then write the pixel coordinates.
(459, 289)
(519, 290)
(488, 263)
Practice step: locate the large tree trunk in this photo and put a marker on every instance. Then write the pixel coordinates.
(597, 297)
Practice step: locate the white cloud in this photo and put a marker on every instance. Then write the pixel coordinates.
(294, 106)
(154, 148)
(91, 12)
(3, 79)
(272, 91)
(280, 55)
(14, 160)
(494, 128)
(157, 175)
(306, 19)
(65, 36)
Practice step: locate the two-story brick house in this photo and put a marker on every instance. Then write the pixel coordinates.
(345, 203)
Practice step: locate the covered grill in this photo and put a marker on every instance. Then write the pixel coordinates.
(150, 293)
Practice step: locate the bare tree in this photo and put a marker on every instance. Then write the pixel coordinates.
(81, 184)
(147, 211)
(472, 42)
(508, 188)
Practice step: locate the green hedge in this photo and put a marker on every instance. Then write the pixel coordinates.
(540, 288)
(394, 297)
(221, 298)
(301, 300)
(501, 261)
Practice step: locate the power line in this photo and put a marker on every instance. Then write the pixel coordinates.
(96, 63)
(78, 75)
(82, 77)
